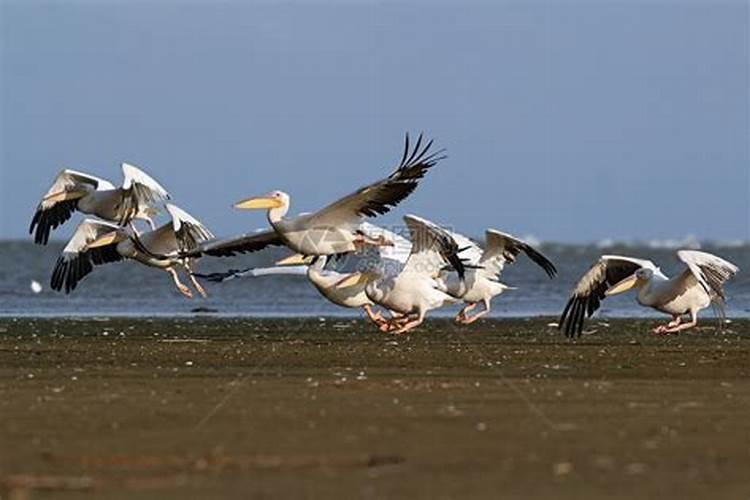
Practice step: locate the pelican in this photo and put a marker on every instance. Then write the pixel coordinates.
(417, 287)
(325, 281)
(91, 195)
(333, 229)
(96, 242)
(696, 288)
(483, 268)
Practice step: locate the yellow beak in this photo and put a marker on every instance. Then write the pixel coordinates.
(103, 241)
(622, 286)
(295, 260)
(257, 203)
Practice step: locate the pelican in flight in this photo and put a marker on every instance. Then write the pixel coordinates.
(91, 195)
(335, 228)
(696, 288)
(416, 288)
(97, 242)
(483, 268)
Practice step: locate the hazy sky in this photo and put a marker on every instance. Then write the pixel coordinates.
(571, 121)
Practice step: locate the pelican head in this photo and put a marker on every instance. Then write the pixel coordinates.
(274, 199)
(637, 279)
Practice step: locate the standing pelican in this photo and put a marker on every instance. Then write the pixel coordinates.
(697, 287)
(335, 228)
(96, 242)
(91, 195)
(483, 268)
(417, 288)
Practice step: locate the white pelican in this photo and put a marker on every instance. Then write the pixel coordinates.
(325, 280)
(483, 268)
(417, 288)
(91, 195)
(334, 229)
(697, 287)
(96, 242)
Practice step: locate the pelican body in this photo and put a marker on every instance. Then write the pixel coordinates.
(483, 270)
(97, 242)
(416, 288)
(699, 286)
(72, 190)
(333, 229)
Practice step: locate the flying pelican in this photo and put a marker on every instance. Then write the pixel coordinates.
(416, 288)
(324, 280)
(697, 287)
(335, 228)
(96, 242)
(483, 268)
(91, 195)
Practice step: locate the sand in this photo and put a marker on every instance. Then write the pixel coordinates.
(239, 408)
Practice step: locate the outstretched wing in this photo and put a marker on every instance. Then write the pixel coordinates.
(77, 260)
(188, 230)
(502, 249)
(140, 190)
(61, 200)
(432, 248)
(709, 270)
(379, 197)
(590, 289)
(245, 243)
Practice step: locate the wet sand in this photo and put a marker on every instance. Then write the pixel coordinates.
(238, 408)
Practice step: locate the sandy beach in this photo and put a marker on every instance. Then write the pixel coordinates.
(329, 408)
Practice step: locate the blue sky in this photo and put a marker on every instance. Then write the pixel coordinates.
(572, 121)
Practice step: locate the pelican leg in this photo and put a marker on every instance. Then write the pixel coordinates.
(411, 324)
(374, 316)
(362, 241)
(661, 329)
(394, 323)
(189, 270)
(461, 316)
(182, 288)
(471, 319)
(684, 326)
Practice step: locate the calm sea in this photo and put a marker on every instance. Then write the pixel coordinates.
(127, 288)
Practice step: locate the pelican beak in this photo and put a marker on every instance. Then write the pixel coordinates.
(103, 241)
(622, 286)
(353, 280)
(64, 195)
(259, 202)
(296, 260)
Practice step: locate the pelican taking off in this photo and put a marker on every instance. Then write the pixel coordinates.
(417, 288)
(483, 268)
(96, 242)
(325, 280)
(696, 288)
(91, 195)
(335, 228)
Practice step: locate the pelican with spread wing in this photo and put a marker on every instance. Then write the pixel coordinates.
(416, 288)
(696, 288)
(91, 195)
(335, 228)
(483, 268)
(96, 242)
